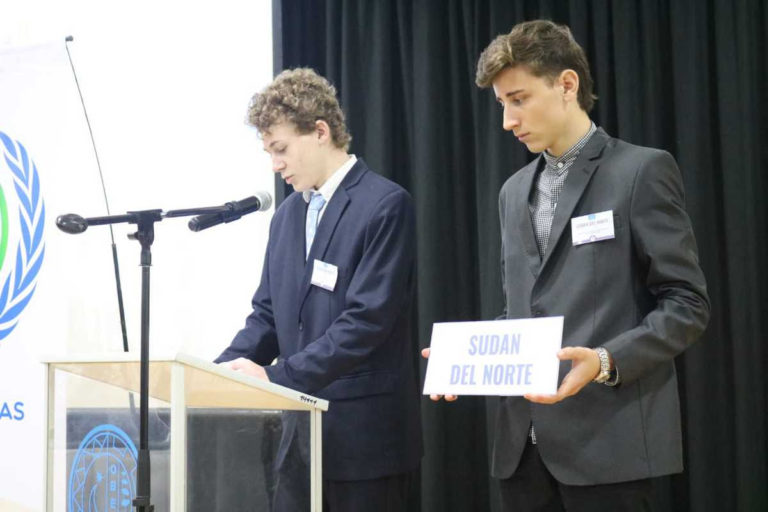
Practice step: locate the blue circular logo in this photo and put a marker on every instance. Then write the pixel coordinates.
(18, 277)
(103, 473)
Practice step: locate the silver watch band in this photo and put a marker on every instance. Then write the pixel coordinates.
(605, 365)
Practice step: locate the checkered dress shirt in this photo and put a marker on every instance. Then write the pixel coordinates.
(546, 192)
(549, 183)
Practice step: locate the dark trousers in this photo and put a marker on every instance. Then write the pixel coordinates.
(292, 493)
(386, 494)
(532, 488)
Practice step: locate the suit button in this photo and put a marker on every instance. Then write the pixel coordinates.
(301, 326)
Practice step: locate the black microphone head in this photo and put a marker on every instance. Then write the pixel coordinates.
(69, 39)
(194, 224)
(71, 223)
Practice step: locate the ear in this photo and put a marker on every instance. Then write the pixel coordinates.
(322, 131)
(569, 82)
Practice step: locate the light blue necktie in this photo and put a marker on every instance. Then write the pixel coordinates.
(316, 204)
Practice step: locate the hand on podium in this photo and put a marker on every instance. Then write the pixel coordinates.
(247, 367)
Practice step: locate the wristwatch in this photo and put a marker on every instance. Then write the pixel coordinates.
(605, 365)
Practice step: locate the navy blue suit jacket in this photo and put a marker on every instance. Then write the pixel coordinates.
(351, 346)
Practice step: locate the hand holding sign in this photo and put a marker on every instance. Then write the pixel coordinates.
(585, 365)
(436, 398)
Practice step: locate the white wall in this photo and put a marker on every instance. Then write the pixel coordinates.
(166, 84)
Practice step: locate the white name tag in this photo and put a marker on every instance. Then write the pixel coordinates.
(499, 357)
(324, 275)
(592, 228)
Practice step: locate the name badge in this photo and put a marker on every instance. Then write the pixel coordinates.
(324, 275)
(592, 228)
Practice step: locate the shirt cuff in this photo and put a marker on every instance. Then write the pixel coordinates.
(614, 379)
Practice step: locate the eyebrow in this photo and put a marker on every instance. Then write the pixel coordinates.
(512, 93)
(269, 146)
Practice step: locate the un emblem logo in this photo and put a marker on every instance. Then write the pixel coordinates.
(103, 473)
(25, 231)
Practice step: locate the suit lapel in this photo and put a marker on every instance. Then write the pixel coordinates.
(575, 184)
(523, 214)
(333, 212)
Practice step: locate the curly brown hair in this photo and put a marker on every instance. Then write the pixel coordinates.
(542, 46)
(302, 97)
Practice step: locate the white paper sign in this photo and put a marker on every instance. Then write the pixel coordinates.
(592, 228)
(498, 357)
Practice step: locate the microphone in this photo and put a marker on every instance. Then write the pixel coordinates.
(235, 209)
(71, 223)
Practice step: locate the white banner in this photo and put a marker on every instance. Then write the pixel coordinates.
(42, 150)
(167, 112)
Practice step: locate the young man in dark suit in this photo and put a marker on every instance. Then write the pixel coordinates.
(632, 294)
(334, 305)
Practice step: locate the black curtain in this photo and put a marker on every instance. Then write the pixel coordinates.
(683, 75)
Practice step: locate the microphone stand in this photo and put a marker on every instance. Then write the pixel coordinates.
(145, 222)
(145, 234)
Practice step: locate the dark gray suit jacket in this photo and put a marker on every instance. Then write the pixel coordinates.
(641, 295)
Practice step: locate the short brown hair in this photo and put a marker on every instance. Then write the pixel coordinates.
(542, 46)
(302, 97)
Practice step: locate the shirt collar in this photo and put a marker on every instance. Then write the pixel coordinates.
(331, 184)
(555, 161)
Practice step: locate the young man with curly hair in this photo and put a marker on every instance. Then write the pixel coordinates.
(334, 305)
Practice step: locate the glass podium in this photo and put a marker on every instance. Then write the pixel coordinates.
(213, 435)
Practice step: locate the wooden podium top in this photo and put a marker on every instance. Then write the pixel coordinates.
(206, 384)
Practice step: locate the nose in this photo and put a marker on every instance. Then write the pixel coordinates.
(277, 165)
(510, 120)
